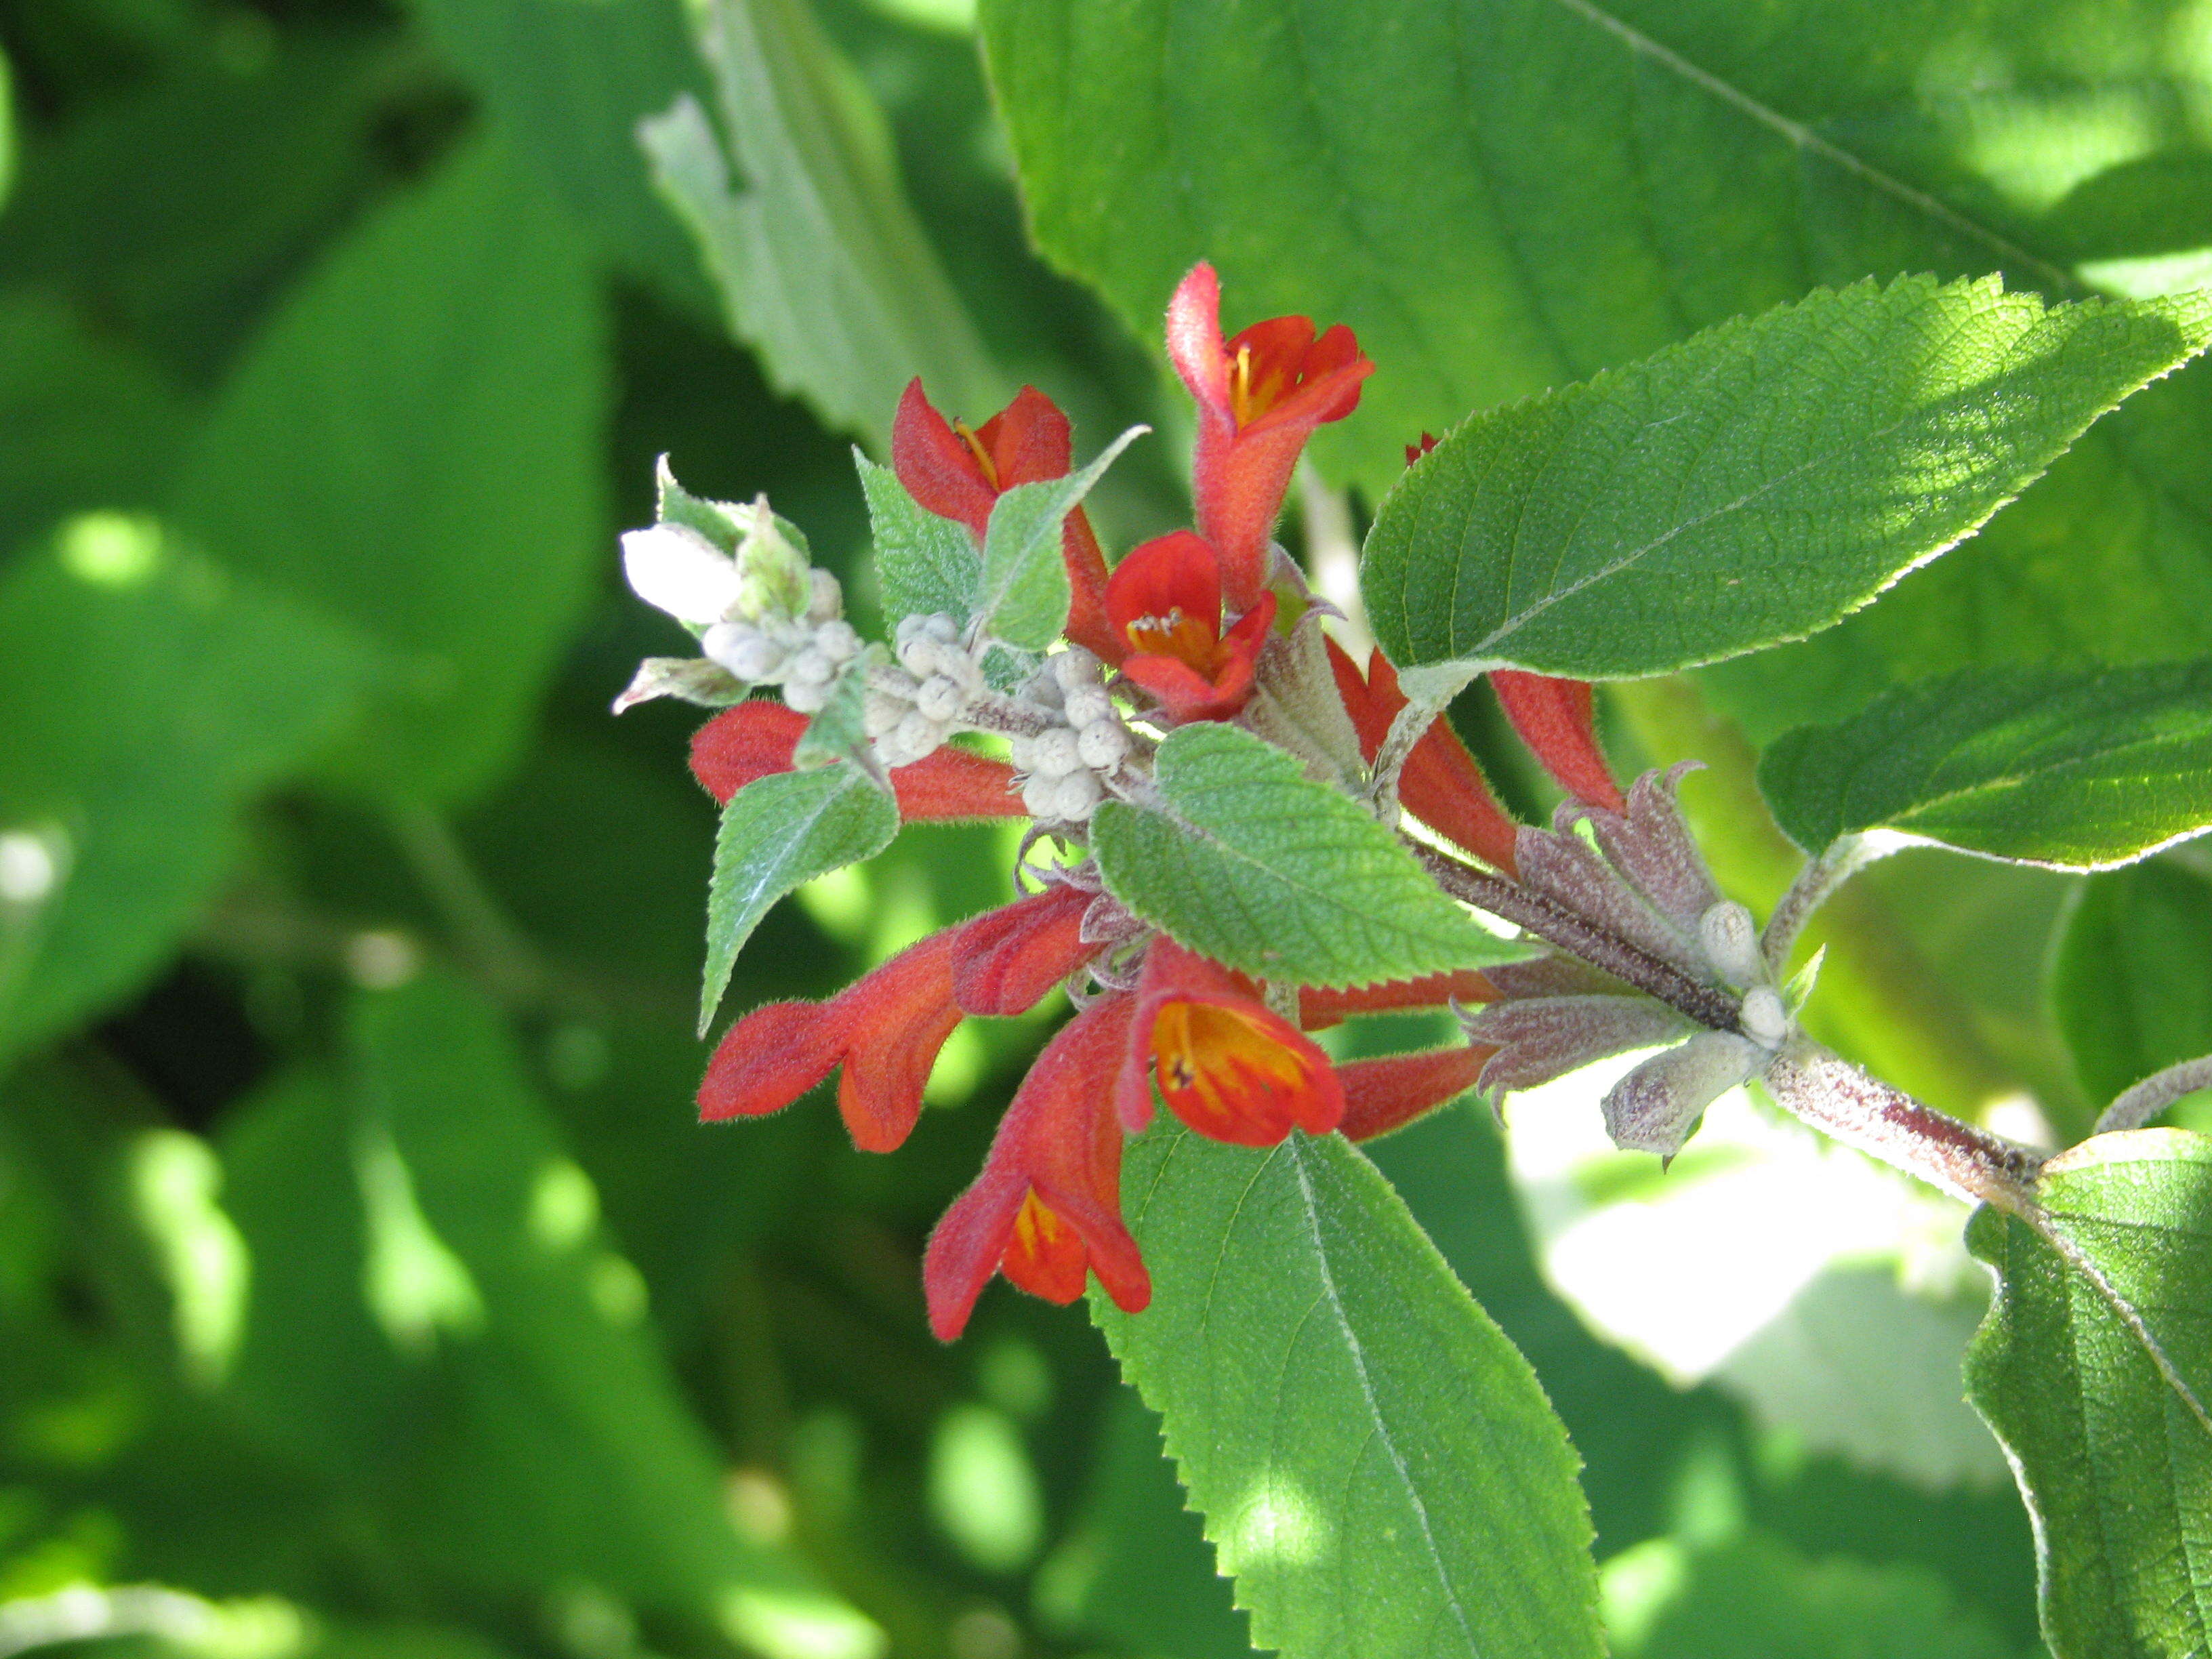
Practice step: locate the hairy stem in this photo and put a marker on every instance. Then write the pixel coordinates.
(1819, 877)
(1555, 923)
(1823, 1089)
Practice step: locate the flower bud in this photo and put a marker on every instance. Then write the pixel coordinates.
(674, 569)
(1731, 943)
(940, 698)
(918, 735)
(1041, 797)
(810, 666)
(805, 696)
(837, 641)
(742, 649)
(1075, 668)
(881, 712)
(1103, 744)
(1057, 753)
(825, 600)
(773, 577)
(1075, 797)
(942, 629)
(1087, 705)
(1022, 750)
(919, 654)
(1764, 1019)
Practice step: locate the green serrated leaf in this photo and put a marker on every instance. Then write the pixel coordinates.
(1023, 595)
(2131, 979)
(2076, 771)
(778, 832)
(1376, 1464)
(2113, 1461)
(822, 266)
(1753, 485)
(1256, 866)
(925, 564)
(411, 446)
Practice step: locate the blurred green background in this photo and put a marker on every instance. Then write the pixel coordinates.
(366, 1285)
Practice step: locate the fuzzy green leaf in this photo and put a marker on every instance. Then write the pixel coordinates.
(2078, 770)
(1376, 1464)
(1255, 864)
(2131, 979)
(822, 266)
(411, 446)
(2112, 1458)
(1753, 485)
(1024, 594)
(925, 564)
(778, 832)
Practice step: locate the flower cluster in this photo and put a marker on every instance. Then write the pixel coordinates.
(1212, 623)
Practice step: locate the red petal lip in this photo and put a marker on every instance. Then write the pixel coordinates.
(1178, 572)
(936, 464)
(755, 738)
(1059, 1140)
(1257, 1106)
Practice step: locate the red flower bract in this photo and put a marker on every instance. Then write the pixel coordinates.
(1164, 604)
(1557, 719)
(1046, 1210)
(1259, 397)
(957, 472)
(755, 738)
(1383, 1094)
(1226, 1064)
(1440, 784)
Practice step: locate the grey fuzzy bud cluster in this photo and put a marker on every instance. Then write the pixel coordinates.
(911, 709)
(1065, 767)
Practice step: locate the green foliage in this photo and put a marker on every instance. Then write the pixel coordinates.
(1317, 894)
(821, 265)
(2131, 979)
(487, 1306)
(778, 832)
(1752, 485)
(148, 695)
(569, 85)
(1376, 1463)
(927, 564)
(2076, 770)
(1024, 593)
(2113, 1456)
(408, 448)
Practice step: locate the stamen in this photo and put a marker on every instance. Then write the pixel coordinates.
(975, 448)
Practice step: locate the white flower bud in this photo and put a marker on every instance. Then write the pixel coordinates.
(1087, 705)
(1731, 943)
(744, 650)
(1023, 753)
(940, 698)
(825, 600)
(919, 735)
(1057, 753)
(1764, 1019)
(1040, 796)
(942, 629)
(919, 655)
(1075, 668)
(807, 696)
(1075, 797)
(908, 627)
(880, 712)
(1044, 692)
(1103, 744)
(674, 569)
(837, 641)
(810, 666)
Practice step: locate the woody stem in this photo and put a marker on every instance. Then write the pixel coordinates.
(1551, 921)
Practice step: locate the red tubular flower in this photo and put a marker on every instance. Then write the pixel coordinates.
(1227, 1064)
(1046, 1210)
(1557, 720)
(755, 738)
(957, 472)
(886, 1030)
(1383, 1094)
(1318, 1007)
(1259, 397)
(1010, 958)
(1164, 604)
(1440, 783)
